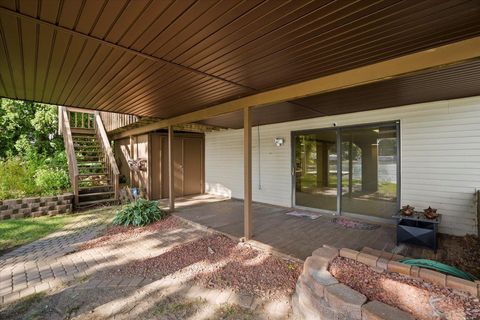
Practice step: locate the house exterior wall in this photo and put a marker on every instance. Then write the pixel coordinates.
(440, 158)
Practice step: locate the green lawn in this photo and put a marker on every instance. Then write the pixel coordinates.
(21, 231)
(387, 189)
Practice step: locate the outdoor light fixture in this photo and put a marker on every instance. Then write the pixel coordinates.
(279, 141)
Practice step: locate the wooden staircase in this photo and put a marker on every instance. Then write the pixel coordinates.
(92, 167)
(94, 183)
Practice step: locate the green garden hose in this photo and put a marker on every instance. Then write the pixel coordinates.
(440, 267)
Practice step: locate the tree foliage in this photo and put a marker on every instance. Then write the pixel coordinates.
(32, 157)
(28, 129)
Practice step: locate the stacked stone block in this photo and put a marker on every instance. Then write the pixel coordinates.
(320, 296)
(36, 206)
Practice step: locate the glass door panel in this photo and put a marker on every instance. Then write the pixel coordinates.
(316, 170)
(369, 170)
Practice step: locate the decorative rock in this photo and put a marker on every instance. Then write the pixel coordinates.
(349, 253)
(326, 253)
(368, 259)
(345, 300)
(402, 268)
(376, 310)
(433, 276)
(462, 285)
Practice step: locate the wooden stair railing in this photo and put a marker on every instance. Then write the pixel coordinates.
(66, 131)
(110, 162)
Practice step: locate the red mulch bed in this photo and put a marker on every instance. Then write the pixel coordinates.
(462, 252)
(115, 234)
(219, 262)
(421, 298)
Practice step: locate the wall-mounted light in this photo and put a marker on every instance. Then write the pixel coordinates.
(279, 141)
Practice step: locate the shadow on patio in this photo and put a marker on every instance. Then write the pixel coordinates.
(295, 236)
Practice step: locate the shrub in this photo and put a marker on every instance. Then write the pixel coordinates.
(35, 176)
(16, 179)
(139, 213)
(51, 181)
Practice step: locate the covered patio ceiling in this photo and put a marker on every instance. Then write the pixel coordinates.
(448, 83)
(168, 58)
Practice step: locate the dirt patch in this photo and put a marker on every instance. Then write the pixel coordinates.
(62, 305)
(80, 305)
(234, 312)
(173, 308)
(219, 262)
(21, 307)
(114, 234)
(421, 298)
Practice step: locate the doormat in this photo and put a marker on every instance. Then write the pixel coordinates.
(353, 224)
(311, 215)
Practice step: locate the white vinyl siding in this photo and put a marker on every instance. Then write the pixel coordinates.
(440, 158)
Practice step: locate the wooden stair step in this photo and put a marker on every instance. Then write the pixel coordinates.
(88, 169)
(91, 174)
(95, 202)
(88, 151)
(94, 181)
(98, 165)
(88, 154)
(88, 147)
(96, 194)
(95, 187)
(88, 158)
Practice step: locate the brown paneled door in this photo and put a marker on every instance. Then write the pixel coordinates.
(188, 166)
(192, 166)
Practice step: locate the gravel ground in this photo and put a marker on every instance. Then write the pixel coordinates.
(421, 298)
(218, 262)
(115, 234)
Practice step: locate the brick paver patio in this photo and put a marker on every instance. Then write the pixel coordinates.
(53, 264)
(53, 261)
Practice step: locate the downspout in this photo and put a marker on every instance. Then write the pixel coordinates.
(259, 160)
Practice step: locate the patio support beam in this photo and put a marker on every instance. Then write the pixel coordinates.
(171, 178)
(132, 156)
(435, 58)
(247, 173)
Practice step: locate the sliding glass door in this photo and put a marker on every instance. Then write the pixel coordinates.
(316, 170)
(364, 159)
(369, 166)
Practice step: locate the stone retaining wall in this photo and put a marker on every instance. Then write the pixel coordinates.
(36, 206)
(319, 295)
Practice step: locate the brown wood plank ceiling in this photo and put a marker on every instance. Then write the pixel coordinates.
(449, 83)
(162, 58)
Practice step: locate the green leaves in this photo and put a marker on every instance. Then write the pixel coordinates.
(139, 213)
(32, 157)
(33, 177)
(28, 129)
